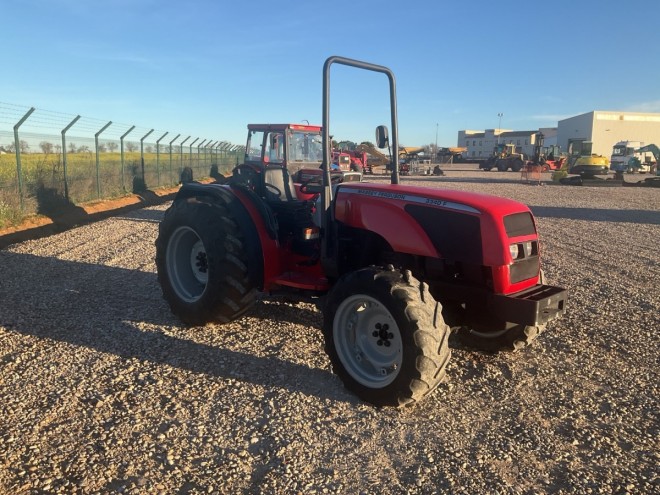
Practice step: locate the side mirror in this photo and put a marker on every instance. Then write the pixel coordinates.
(382, 137)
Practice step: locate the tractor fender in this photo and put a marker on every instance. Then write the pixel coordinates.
(255, 220)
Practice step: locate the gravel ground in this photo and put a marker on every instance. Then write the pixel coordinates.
(103, 391)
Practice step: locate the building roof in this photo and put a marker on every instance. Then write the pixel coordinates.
(517, 133)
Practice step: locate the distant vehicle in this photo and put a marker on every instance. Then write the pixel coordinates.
(582, 161)
(626, 157)
(505, 157)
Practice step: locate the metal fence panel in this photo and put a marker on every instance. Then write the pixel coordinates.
(64, 159)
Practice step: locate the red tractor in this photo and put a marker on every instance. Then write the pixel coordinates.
(390, 265)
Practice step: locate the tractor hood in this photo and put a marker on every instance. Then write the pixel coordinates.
(456, 225)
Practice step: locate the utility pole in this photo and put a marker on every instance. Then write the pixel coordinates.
(435, 151)
(499, 127)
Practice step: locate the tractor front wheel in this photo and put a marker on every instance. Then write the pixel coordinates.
(512, 340)
(385, 336)
(202, 263)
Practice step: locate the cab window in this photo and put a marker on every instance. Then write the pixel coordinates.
(256, 140)
(274, 148)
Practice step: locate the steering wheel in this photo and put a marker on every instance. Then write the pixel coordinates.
(273, 190)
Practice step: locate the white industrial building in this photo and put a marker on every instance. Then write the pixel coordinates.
(605, 128)
(480, 144)
(602, 128)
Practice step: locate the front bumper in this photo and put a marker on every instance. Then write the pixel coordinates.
(533, 306)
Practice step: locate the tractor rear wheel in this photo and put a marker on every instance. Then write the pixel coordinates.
(502, 165)
(202, 263)
(385, 336)
(517, 165)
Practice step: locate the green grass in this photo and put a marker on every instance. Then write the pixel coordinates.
(43, 177)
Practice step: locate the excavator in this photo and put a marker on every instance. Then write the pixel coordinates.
(585, 163)
(590, 165)
(655, 151)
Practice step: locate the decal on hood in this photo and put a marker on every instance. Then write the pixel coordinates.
(410, 198)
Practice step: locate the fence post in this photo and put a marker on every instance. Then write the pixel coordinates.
(158, 157)
(17, 149)
(121, 146)
(208, 150)
(64, 163)
(181, 153)
(144, 182)
(190, 152)
(96, 144)
(198, 159)
(172, 142)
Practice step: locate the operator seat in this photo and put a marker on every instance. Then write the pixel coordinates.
(278, 177)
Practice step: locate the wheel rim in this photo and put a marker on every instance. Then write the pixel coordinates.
(187, 264)
(368, 341)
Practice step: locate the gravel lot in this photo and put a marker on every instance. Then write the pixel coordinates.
(103, 391)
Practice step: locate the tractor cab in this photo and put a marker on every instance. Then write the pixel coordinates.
(290, 146)
(281, 160)
(274, 155)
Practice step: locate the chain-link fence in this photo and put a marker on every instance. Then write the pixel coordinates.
(49, 160)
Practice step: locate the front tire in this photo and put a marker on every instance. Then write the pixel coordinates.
(202, 263)
(385, 336)
(512, 340)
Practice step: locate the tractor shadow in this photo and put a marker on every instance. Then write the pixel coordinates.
(93, 306)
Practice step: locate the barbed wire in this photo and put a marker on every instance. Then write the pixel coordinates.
(11, 114)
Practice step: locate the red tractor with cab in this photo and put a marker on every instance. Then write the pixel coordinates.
(391, 266)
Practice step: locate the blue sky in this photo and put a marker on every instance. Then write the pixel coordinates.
(208, 68)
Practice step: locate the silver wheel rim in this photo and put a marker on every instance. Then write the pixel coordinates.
(187, 264)
(368, 341)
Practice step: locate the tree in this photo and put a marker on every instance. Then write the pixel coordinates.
(10, 148)
(46, 147)
(149, 149)
(346, 145)
(131, 146)
(72, 147)
(112, 146)
(102, 148)
(83, 149)
(24, 146)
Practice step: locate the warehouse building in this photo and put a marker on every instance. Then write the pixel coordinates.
(602, 128)
(605, 128)
(480, 144)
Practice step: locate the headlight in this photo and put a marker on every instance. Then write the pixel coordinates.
(514, 250)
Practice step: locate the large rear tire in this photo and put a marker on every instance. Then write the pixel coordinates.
(202, 263)
(385, 336)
